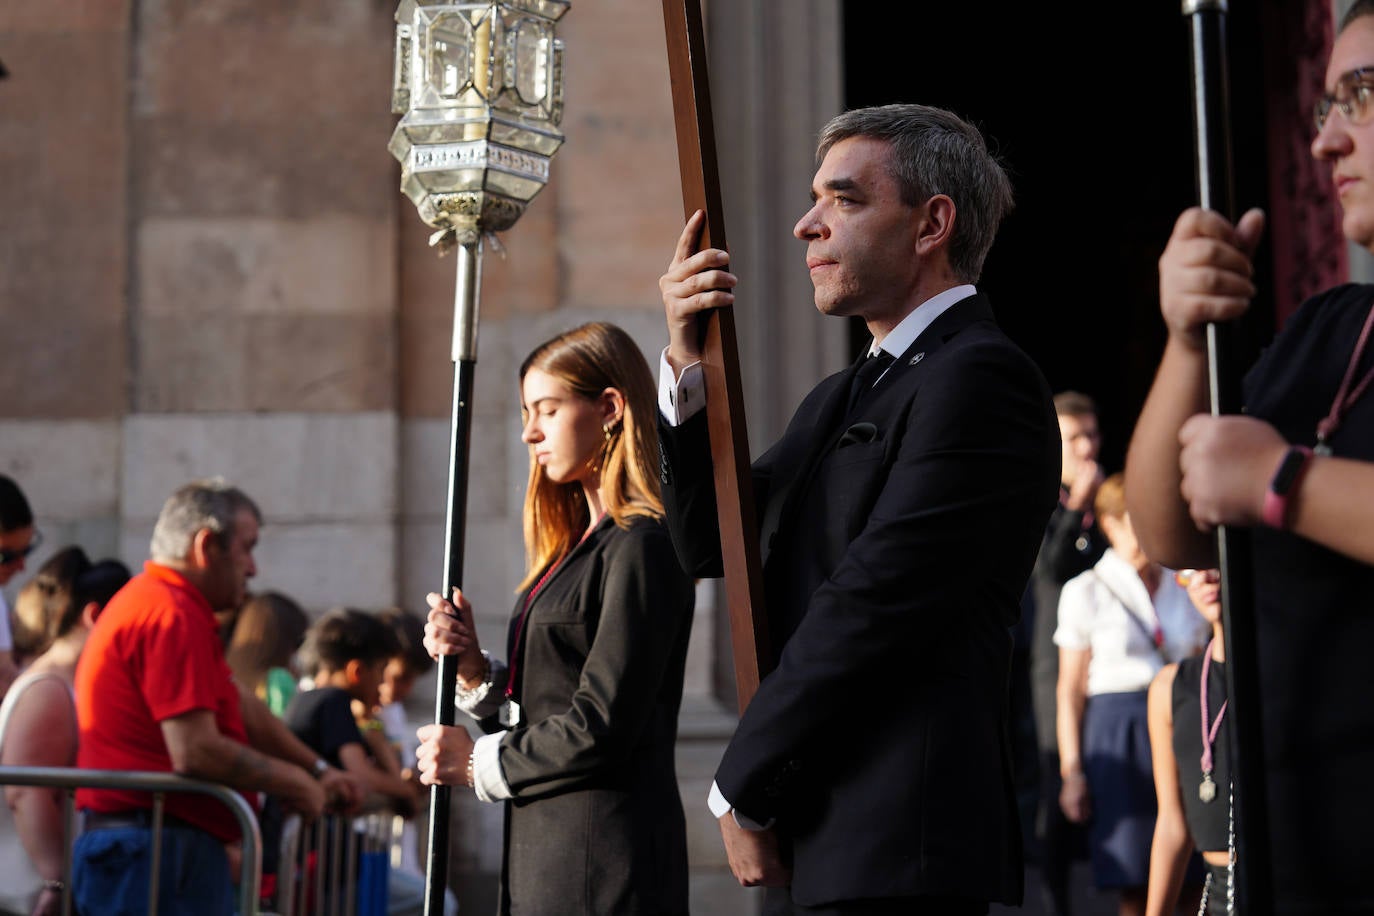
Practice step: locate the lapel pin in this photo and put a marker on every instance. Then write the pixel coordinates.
(917, 358)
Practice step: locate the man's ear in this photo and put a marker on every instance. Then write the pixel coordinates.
(204, 548)
(937, 224)
(353, 670)
(89, 613)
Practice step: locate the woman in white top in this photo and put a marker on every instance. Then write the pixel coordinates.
(1119, 623)
(38, 722)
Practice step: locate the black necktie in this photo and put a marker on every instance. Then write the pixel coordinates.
(867, 376)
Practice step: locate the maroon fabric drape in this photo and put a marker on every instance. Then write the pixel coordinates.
(1305, 218)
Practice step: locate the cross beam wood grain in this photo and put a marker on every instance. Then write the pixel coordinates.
(696, 150)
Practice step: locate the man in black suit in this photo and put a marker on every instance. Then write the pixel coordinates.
(900, 513)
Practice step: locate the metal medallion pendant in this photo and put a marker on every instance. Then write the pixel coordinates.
(1208, 790)
(509, 716)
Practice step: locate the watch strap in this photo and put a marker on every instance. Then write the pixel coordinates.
(1283, 484)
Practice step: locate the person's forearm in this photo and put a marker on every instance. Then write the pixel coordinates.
(1333, 504)
(1169, 853)
(390, 785)
(226, 761)
(1069, 730)
(38, 821)
(1158, 513)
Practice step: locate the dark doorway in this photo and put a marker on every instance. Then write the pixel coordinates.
(1092, 117)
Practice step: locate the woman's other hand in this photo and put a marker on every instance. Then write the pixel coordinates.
(443, 755)
(449, 630)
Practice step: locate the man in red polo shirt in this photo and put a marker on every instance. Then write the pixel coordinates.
(153, 692)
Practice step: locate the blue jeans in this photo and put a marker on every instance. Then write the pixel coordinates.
(110, 873)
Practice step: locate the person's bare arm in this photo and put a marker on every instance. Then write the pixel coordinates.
(1172, 843)
(8, 671)
(41, 733)
(1071, 695)
(1204, 275)
(199, 750)
(270, 735)
(357, 764)
(1227, 465)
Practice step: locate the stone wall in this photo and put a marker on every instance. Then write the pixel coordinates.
(206, 268)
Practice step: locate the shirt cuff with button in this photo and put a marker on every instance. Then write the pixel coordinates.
(488, 781)
(719, 805)
(683, 397)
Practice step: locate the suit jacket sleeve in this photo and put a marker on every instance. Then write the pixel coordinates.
(689, 495)
(646, 609)
(930, 580)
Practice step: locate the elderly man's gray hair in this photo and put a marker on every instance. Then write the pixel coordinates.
(213, 504)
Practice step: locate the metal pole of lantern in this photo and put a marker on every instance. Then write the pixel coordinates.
(479, 88)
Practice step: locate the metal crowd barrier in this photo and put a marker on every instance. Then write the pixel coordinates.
(69, 779)
(336, 866)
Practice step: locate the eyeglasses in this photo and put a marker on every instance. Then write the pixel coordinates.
(1186, 577)
(1352, 95)
(12, 556)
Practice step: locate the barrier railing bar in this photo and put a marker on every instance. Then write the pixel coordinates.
(70, 777)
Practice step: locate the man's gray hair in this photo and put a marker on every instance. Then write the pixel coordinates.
(933, 151)
(212, 503)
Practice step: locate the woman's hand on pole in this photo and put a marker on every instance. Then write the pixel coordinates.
(449, 630)
(443, 755)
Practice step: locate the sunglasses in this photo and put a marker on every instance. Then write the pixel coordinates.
(13, 556)
(1186, 577)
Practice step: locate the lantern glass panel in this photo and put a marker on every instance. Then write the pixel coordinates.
(533, 49)
(449, 61)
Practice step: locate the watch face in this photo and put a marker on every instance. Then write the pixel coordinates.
(1288, 471)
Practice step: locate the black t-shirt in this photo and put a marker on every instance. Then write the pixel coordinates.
(323, 719)
(1314, 618)
(1208, 822)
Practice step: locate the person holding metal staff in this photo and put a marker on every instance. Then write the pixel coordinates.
(1189, 743)
(581, 721)
(901, 514)
(1297, 469)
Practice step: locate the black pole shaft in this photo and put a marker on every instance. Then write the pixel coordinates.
(1216, 191)
(464, 366)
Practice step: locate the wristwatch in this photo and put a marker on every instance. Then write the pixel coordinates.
(1283, 484)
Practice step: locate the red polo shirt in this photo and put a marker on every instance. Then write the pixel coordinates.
(153, 654)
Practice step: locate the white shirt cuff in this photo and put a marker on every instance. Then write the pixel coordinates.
(720, 806)
(487, 779)
(680, 399)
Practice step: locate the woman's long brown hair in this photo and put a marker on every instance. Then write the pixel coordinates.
(589, 359)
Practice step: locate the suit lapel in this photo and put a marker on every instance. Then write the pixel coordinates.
(828, 419)
(963, 313)
(832, 414)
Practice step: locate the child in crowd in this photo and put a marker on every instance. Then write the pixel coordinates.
(267, 632)
(350, 650)
(398, 680)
